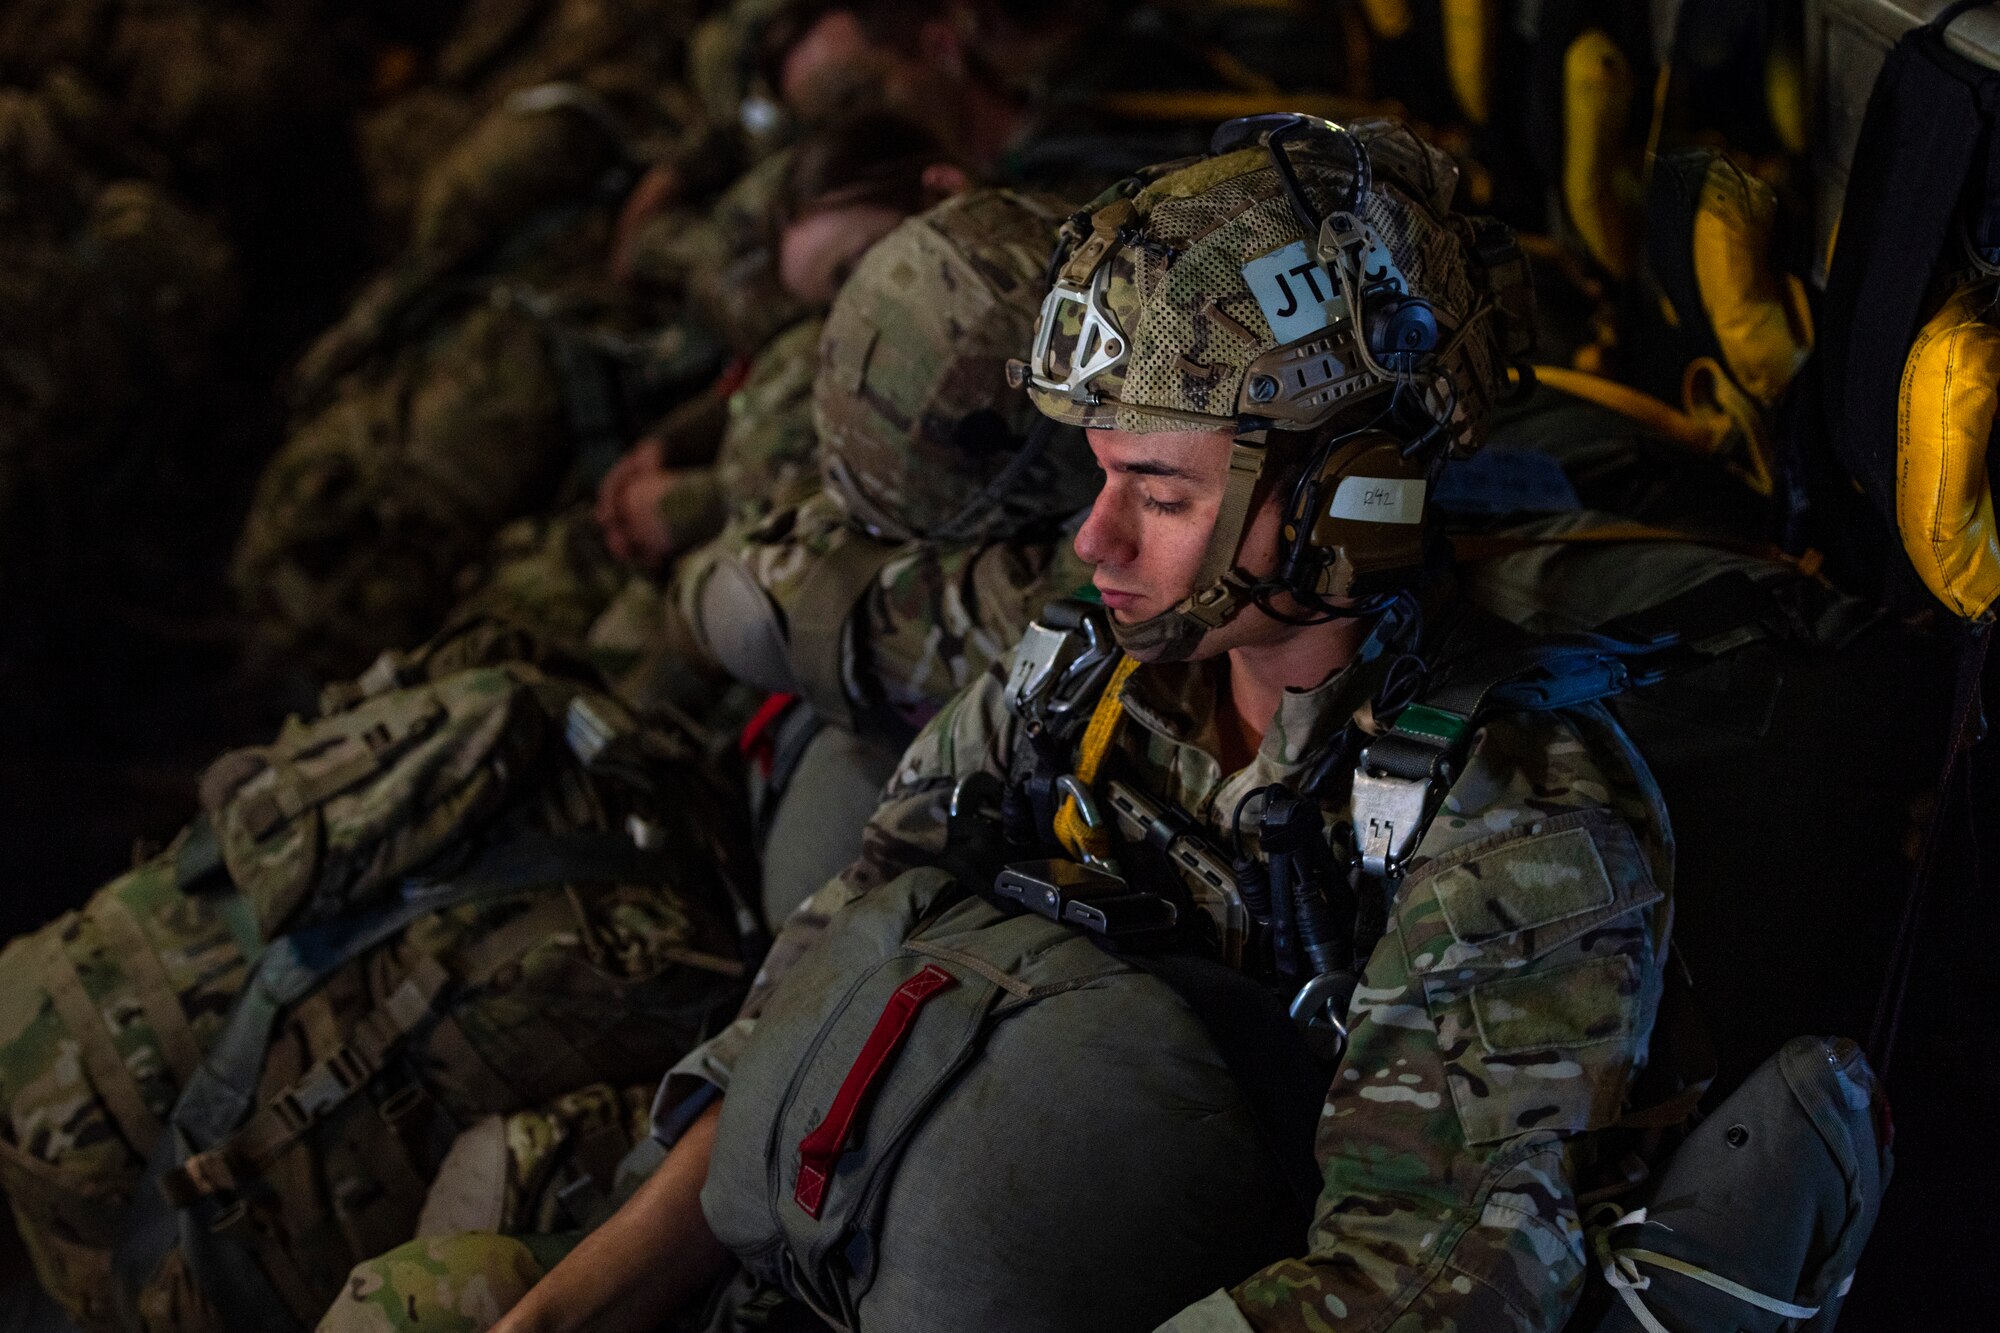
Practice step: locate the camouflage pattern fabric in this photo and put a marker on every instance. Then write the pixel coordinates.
(930, 621)
(444, 1284)
(770, 454)
(1496, 1026)
(727, 263)
(474, 1260)
(1185, 302)
(105, 1014)
(367, 513)
(513, 163)
(65, 1162)
(622, 51)
(433, 416)
(549, 576)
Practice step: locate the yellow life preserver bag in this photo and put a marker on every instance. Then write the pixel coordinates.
(1944, 426)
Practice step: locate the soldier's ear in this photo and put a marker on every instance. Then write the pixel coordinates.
(942, 181)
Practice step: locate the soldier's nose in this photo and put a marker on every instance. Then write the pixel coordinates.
(1104, 539)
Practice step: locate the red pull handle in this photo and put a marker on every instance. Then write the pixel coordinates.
(828, 1139)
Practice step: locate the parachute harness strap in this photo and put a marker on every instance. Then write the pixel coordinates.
(1084, 840)
(1620, 1267)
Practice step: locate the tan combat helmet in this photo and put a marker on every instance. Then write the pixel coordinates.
(921, 435)
(1306, 284)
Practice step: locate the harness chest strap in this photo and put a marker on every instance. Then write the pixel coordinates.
(819, 616)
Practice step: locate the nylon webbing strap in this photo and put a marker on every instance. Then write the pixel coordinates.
(95, 1046)
(240, 1274)
(223, 1090)
(1620, 1266)
(819, 622)
(332, 1080)
(1532, 677)
(1246, 464)
(1072, 830)
(149, 977)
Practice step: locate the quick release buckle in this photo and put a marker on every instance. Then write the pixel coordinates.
(1388, 815)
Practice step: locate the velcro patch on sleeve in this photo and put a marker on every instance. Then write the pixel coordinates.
(1523, 884)
(1509, 899)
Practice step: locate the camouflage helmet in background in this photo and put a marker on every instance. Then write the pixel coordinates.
(921, 436)
(1190, 296)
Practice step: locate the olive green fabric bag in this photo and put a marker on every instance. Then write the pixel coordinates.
(1050, 1109)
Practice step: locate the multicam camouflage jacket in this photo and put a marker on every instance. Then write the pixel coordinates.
(1497, 1026)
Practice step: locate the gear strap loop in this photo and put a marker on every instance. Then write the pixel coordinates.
(1620, 1267)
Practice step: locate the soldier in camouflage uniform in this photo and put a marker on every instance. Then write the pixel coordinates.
(1498, 1024)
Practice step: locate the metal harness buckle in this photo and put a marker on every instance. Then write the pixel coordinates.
(1388, 815)
(1059, 672)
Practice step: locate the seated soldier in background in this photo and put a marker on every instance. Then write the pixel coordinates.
(1256, 637)
(844, 188)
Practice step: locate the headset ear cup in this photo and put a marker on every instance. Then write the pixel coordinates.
(1402, 332)
(1360, 518)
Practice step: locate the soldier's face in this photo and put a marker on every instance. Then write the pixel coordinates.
(1148, 531)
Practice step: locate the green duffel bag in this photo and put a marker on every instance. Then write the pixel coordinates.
(954, 1117)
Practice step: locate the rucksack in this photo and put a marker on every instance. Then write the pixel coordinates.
(233, 1073)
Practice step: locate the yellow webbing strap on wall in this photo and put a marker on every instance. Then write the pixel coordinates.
(1083, 841)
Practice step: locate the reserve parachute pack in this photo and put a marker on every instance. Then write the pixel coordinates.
(461, 891)
(906, 1138)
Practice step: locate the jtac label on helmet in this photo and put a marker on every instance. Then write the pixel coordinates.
(1378, 500)
(1295, 292)
(1299, 297)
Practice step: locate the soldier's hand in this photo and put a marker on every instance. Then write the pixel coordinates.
(656, 190)
(648, 455)
(639, 533)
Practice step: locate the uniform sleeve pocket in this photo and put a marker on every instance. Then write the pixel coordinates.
(1536, 961)
(1582, 1004)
